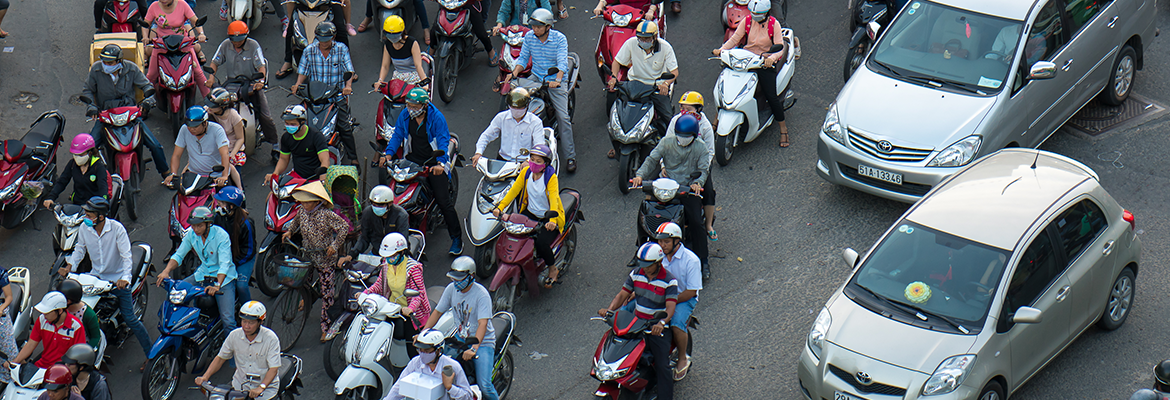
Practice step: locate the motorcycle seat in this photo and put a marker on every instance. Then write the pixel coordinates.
(42, 134)
(569, 199)
(290, 368)
(434, 293)
(17, 296)
(503, 328)
(137, 256)
(14, 150)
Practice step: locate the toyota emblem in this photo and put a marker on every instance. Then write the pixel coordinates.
(885, 146)
(862, 376)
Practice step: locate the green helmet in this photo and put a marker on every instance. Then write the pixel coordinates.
(418, 96)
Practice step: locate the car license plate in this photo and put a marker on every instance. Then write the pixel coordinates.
(845, 396)
(879, 174)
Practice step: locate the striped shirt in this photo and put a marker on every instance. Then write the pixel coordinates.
(554, 51)
(651, 293)
(329, 70)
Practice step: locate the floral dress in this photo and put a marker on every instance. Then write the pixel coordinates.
(321, 228)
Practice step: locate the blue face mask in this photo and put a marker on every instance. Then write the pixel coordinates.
(88, 222)
(291, 128)
(463, 284)
(379, 211)
(395, 259)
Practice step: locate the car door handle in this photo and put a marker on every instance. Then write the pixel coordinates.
(1060, 295)
(1067, 65)
(1108, 248)
(1112, 22)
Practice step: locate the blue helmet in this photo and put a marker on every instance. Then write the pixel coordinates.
(196, 115)
(687, 125)
(231, 194)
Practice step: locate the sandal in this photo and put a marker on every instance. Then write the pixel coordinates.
(784, 139)
(285, 72)
(713, 235)
(549, 282)
(3, 34)
(679, 374)
(564, 12)
(364, 25)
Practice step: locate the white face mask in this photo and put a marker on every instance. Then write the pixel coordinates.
(518, 113)
(80, 159)
(759, 17)
(685, 141)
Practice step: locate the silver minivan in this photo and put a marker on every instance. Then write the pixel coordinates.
(951, 80)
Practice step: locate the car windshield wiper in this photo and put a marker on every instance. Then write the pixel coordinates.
(888, 68)
(957, 84)
(920, 310)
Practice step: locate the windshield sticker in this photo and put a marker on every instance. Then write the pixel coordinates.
(988, 82)
(906, 229)
(911, 11)
(917, 292)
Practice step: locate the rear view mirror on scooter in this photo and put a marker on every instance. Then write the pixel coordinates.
(554, 70)
(201, 21)
(347, 75)
(410, 293)
(550, 214)
(776, 48)
(85, 99)
(666, 77)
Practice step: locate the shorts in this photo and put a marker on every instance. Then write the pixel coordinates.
(682, 312)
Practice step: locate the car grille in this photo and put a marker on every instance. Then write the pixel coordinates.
(874, 387)
(912, 189)
(895, 153)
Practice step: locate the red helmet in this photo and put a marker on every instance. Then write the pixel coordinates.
(58, 377)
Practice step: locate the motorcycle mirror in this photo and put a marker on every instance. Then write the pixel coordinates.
(667, 76)
(660, 315)
(85, 99)
(149, 92)
(437, 153)
(321, 170)
(345, 76)
(696, 175)
(550, 214)
(472, 341)
(424, 82)
(872, 29)
(375, 147)
(208, 70)
(554, 70)
(776, 47)
(257, 76)
(410, 293)
(217, 168)
(201, 21)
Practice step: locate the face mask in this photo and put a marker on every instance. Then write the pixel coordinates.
(518, 113)
(393, 37)
(427, 358)
(759, 17)
(463, 284)
(685, 141)
(110, 69)
(416, 113)
(536, 168)
(395, 259)
(291, 128)
(80, 159)
(222, 211)
(379, 211)
(88, 222)
(645, 45)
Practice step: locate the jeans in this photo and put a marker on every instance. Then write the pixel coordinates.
(485, 360)
(420, 11)
(148, 140)
(560, 102)
(126, 304)
(226, 300)
(243, 293)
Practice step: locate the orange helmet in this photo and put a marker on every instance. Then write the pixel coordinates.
(237, 28)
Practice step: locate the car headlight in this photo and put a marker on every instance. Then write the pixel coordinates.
(949, 375)
(958, 154)
(820, 329)
(120, 119)
(622, 19)
(177, 296)
(369, 307)
(832, 125)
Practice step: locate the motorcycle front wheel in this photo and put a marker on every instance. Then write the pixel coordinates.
(725, 148)
(140, 303)
(361, 393)
(629, 169)
(130, 193)
(447, 70)
(161, 378)
(504, 298)
(334, 356)
(486, 256)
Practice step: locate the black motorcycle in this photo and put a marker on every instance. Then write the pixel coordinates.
(324, 105)
(867, 18)
(663, 204)
(634, 127)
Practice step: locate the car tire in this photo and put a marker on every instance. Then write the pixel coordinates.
(992, 391)
(1121, 77)
(1119, 304)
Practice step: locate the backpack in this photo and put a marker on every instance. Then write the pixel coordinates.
(747, 29)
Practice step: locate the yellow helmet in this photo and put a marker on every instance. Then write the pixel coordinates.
(394, 24)
(692, 98)
(646, 28)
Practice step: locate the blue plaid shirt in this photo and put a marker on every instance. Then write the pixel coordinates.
(544, 55)
(316, 67)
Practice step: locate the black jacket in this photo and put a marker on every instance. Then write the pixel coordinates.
(374, 228)
(95, 182)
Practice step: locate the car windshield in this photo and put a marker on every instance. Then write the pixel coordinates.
(932, 276)
(941, 46)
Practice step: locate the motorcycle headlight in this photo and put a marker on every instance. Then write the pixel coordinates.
(369, 307)
(740, 63)
(387, 131)
(517, 229)
(949, 375)
(958, 154)
(622, 19)
(166, 79)
(11, 189)
(820, 329)
(664, 194)
(615, 123)
(284, 192)
(832, 125)
(268, 220)
(451, 4)
(608, 372)
(401, 174)
(91, 290)
(515, 39)
(120, 119)
(186, 78)
(177, 296)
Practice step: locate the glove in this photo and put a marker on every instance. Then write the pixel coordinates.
(91, 112)
(147, 104)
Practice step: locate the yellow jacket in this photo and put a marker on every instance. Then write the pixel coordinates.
(552, 188)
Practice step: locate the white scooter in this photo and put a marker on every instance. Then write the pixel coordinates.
(483, 228)
(21, 309)
(249, 11)
(742, 118)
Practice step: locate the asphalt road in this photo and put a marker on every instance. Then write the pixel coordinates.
(781, 227)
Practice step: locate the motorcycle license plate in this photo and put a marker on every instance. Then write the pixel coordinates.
(879, 174)
(838, 395)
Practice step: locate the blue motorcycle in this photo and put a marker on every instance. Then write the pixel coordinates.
(190, 330)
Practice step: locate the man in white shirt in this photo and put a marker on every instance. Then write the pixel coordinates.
(256, 350)
(684, 265)
(648, 57)
(206, 144)
(517, 129)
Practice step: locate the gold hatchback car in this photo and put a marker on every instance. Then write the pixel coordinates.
(977, 286)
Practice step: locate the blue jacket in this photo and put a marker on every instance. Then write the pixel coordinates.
(247, 239)
(509, 13)
(214, 253)
(437, 132)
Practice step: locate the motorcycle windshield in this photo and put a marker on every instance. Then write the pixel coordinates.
(124, 135)
(321, 92)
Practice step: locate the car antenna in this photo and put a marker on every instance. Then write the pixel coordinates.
(1035, 159)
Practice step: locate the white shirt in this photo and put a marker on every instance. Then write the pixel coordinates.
(253, 357)
(514, 135)
(706, 132)
(685, 267)
(109, 251)
(460, 388)
(646, 67)
(537, 196)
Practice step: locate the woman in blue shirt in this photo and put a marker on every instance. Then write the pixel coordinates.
(233, 218)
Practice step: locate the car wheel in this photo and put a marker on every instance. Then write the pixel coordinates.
(1120, 77)
(992, 391)
(1120, 301)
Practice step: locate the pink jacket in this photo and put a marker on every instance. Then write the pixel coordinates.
(414, 280)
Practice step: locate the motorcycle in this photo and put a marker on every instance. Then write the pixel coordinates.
(307, 14)
(249, 11)
(634, 127)
(97, 296)
(192, 190)
(868, 17)
(621, 361)
(734, 12)
(21, 309)
(323, 110)
(290, 382)
(456, 44)
(27, 382)
(391, 105)
(509, 52)
(743, 116)
(502, 371)
(176, 67)
(663, 204)
(281, 208)
(416, 198)
(402, 8)
(620, 23)
(120, 16)
(28, 166)
(519, 267)
(122, 127)
(541, 103)
(190, 331)
(240, 87)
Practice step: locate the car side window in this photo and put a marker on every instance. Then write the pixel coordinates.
(1037, 268)
(1080, 12)
(1045, 36)
(1078, 226)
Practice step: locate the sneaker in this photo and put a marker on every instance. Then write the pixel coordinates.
(456, 246)
(223, 11)
(572, 166)
(284, 22)
(706, 271)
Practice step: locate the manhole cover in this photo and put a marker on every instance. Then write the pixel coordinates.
(1096, 117)
(25, 98)
(76, 100)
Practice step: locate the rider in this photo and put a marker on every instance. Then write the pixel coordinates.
(517, 12)
(208, 143)
(546, 48)
(681, 158)
(691, 103)
(58, 384)
(420, 11)
(231, 215)
(426, 129)
(381, 218)
(89, 319)
(398, 273)
(99, 11)
(401, 54)
(761, 32)
(472, 306)
(56, 328)
(517, 128)
(1161, 390)
(539, 190)
(327, 62)
(256, 351)
(685, 266)
(110, 84)
(213, 247)
(241, 55)
(432, 362)
(220, 105)
(335, 8)
(648, 57)
(87, 172)
(169, 17)
(88, 382)
(106, 243)
(8, 347)
(307, 156)
(648, 290)
(320, 228)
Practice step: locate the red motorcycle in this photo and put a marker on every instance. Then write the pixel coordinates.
(734, 11)
(121, 16)
(509, 52)
(416, 198)
(279, 210)
(122, 127)
(621, 20)
(455, 44)
(393, 102)
(176, 68)
(192, 190)
(621, 361)
(519, 267)
(28, 166)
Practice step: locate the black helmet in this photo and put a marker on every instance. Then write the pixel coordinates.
(71, 289)
(518, 98)
(80, 354)
(97, 204)
(111, 52)
(325, 30)
(1162, 375)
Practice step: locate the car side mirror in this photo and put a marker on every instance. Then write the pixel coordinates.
(1042, 70)
(850, 256)
(1027, 315)
(410, 293)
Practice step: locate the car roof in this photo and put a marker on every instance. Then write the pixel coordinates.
(1010, 9)
(996, 199)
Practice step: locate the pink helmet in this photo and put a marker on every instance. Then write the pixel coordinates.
(81, 143)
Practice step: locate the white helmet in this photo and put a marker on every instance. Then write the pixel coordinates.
(253, 310)
(52, 301)
(432, 338)
(381, 194)
(648, 254)
(461, 268)
(759, 6)
(393, 243)
(543, 16)
(668, 230)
